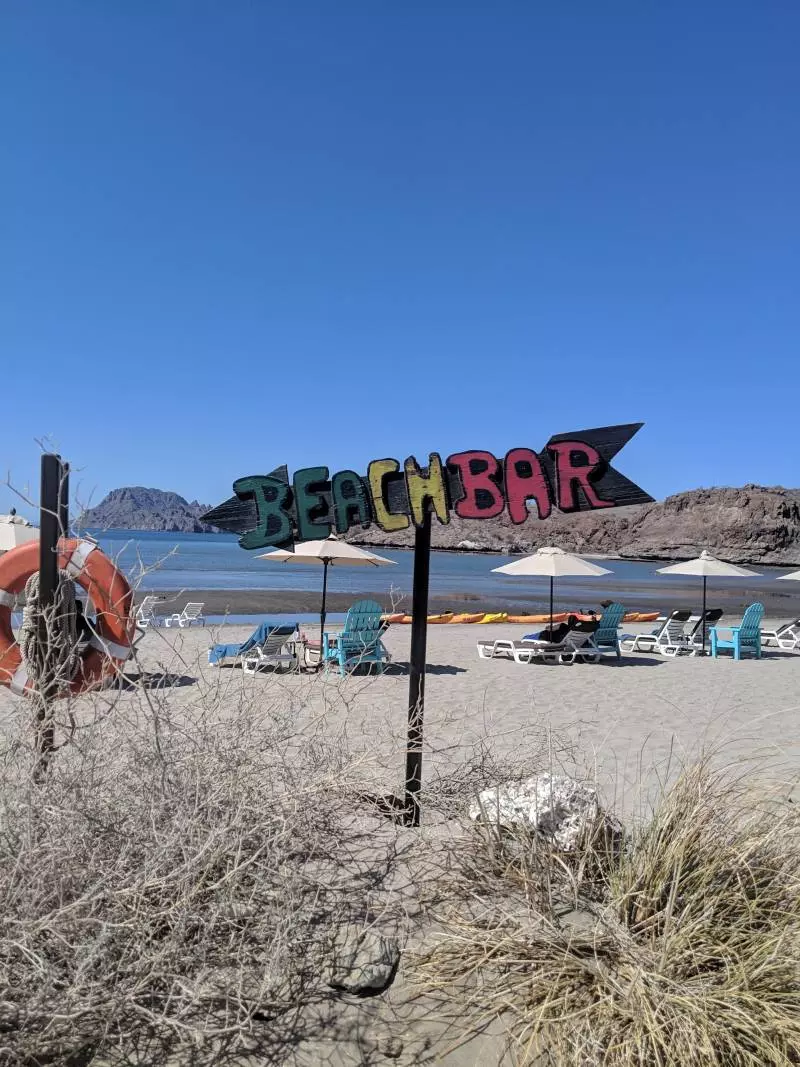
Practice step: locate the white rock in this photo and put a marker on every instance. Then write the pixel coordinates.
(557, 807)
(362, 961)
(470, 546)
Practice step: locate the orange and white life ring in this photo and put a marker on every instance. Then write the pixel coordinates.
(107, 588)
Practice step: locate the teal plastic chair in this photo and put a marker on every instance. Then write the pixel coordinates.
(360, 640)
(746, 637)
(607, 633)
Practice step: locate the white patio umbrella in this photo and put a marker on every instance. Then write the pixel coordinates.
(793, 577)
(330, 552)
(14, 530)
(550, 562)
(707, 566)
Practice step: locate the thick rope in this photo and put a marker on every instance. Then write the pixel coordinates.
(60, 654)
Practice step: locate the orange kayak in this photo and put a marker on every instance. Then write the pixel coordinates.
(500, 616)
(560, 616)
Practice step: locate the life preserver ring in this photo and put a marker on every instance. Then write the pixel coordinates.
(107, 588)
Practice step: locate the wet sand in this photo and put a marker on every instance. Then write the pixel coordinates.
(782, 600)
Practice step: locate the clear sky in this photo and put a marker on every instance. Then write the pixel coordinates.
(240, 234)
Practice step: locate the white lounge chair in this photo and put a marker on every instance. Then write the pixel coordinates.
(786, 636)
(145, 614)
(668, 636)
(694, 638)
(277, 651)
(190, 614)
(575, 646)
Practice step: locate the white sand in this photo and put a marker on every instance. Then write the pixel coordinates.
(629, 723)
(627, 720)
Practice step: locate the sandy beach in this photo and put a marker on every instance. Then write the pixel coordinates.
(626, 720)
(628, 725)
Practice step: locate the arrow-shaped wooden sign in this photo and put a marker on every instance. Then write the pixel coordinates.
(572, 472)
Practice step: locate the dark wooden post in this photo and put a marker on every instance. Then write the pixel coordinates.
(52, 511)
(63, 501)
(416, 684)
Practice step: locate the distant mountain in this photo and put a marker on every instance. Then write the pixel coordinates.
(137, 508)
(752, 524)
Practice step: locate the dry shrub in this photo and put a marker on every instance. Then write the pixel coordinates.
(690, 956)
(173, 881)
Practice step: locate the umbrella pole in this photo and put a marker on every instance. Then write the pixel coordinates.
(703, 623)
(322, 607)
(551, 605)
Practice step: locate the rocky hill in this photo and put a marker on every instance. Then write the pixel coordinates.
(754, 524)
(137, 508)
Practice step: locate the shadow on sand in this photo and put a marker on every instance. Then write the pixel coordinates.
(156, 680)
(404, 667)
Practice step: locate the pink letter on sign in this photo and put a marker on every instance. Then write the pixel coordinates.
(570, 477)
(525, 480)
(476, 470)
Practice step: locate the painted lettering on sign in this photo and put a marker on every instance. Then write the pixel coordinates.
(572, 472)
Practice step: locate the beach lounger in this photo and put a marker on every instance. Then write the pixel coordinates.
(575, 646)
(263, 646)
(786, 636)
(360, 640)
(695, 635)
(276, 651)
(145, 613)
(192, 613)
(669, 632)
(744, 638)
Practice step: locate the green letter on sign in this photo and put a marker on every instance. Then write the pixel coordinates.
(350, 501)
(271, 496)
(310, 504)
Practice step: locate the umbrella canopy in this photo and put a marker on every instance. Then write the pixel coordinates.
(707, 566)
(330, 552)
(14, 530)
(793, 577)
(550, 562)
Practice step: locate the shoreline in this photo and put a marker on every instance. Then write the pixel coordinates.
(674, 594)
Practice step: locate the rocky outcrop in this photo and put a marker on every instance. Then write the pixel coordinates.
(137, 508)
(753, 524)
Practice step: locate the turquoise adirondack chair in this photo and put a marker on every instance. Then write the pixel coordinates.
(607, 633)
(746, 637)
(360, 640)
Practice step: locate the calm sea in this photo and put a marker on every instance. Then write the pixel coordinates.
(169, 561)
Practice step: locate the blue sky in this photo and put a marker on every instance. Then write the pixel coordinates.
(251, 233)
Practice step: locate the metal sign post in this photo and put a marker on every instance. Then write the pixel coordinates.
(53, 518)
(417, 664)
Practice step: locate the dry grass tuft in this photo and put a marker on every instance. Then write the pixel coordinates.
(172, 884)
(689, 954)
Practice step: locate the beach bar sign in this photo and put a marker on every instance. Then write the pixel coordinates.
(572, 472)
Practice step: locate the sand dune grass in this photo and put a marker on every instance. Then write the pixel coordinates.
(686, 952)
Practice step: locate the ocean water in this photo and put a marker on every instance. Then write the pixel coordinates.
(175, 562)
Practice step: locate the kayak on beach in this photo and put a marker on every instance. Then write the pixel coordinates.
(502, 616)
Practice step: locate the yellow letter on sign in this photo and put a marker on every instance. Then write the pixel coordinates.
(376, 472)
(430, 486)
